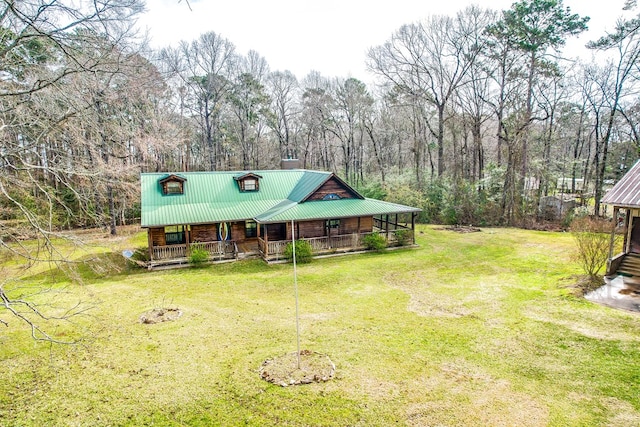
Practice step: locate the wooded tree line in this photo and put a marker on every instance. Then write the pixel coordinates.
(472, 117)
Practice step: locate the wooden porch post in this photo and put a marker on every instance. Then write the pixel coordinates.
(150, 244)
(627, 236)
(413, 226)
(187, 238)
(387, 226)
(612, 238)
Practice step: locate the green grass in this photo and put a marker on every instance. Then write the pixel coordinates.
(469, 329)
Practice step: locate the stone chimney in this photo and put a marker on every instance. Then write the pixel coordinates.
(286, 164)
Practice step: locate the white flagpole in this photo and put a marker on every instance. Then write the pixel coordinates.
(295, 285)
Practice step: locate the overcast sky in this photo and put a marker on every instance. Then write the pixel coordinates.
(329, 36)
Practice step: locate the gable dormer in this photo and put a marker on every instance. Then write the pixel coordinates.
(172, 185)
(333, 188)
(248, 182)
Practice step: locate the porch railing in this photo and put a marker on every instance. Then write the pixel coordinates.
(217, 249)
(354, 241)
(169, 252)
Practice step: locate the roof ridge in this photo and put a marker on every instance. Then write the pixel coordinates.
(279, 208)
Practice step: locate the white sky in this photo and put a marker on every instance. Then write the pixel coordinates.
(329, 36)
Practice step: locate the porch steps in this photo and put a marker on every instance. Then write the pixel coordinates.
(248, 255)
(630, 266)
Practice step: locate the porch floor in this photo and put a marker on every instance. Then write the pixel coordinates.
(248, 250)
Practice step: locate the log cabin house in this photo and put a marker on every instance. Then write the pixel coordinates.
(249, 213)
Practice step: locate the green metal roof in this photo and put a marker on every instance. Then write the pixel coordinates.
(310, 182)
(211, 197)
(343, 208)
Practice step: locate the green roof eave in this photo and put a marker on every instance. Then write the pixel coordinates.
(204, 213)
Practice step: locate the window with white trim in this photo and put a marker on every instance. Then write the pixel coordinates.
(250, 184)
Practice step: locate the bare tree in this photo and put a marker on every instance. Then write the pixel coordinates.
(317, 103)
(43, 44)
(533, 28)
(205, 68)
(472, 97)
(284, 92)
(612, 84)
(430, 61)
(248, 104)
(352, 102)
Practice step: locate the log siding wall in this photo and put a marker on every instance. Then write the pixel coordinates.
(204, 233)
(329, 187)
(157, 236)
(310, 229)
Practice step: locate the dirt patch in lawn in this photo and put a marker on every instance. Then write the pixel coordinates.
(158, 315)
(284, 370)
(460, 229)
(468, 395)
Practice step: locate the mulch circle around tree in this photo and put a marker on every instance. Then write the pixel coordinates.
(158, 315)
(283, 370)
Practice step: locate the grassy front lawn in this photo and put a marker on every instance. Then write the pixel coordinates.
(469, 329)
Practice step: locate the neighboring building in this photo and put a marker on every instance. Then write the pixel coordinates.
(249, 213)
(570, 185)
(625, 199)
(553, 208)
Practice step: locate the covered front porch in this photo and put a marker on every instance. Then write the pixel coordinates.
(179, 253)
(270, 241)
(394, 232)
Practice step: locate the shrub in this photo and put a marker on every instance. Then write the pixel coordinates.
(374, 190)
(434, 193)
(374, 242)
(304, 252)
(592, 238)
(198, 254)
(405, 195)
(403, 237)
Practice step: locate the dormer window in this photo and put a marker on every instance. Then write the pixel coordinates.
(248, 182)
(331, 196)
(171, 185)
